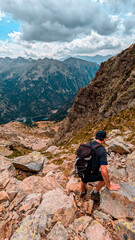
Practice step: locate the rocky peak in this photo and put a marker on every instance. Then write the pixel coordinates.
(111, 90)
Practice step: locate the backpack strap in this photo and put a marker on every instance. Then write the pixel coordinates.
(95, 145)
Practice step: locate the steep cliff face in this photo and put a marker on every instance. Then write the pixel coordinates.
(111, 90)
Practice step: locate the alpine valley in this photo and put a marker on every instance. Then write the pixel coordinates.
(31, 88)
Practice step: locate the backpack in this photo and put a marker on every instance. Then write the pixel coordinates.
(84, 162)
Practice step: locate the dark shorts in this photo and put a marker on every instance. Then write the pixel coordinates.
(93, 178)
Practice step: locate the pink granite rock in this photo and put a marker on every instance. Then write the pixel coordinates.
(31, 201)
(119, 204)
(36, 184)
(3, 196)
(97, 232)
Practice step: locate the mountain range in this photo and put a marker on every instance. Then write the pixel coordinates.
(31, 88)
(97, 58)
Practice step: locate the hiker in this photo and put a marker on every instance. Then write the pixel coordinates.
(100, 156)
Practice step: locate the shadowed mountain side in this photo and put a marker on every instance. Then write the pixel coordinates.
(63, 110)
(32, 88)
(111, 90)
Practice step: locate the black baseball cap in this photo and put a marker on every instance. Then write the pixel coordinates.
(101, 135)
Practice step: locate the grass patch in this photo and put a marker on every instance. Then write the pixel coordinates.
(48, 155)
(20, 178)
(67, 170)
(20, 151)
(123, 121)
(16, 153)
(57, 154)
(131, 138)
(58, 161)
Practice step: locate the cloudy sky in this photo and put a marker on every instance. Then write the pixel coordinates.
(60, 28)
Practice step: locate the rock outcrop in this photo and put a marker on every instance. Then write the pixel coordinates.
(120, 204)
(111, 90)
(97, 232)
(33, 162)
(28, 229)
(125, 230)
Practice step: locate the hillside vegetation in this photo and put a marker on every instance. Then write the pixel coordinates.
(123, 121)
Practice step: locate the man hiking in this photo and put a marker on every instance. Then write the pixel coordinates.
(100, 158)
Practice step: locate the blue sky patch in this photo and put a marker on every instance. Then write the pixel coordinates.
(8, 25)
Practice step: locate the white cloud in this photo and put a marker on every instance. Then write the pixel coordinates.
(88, 45)
(129, 14)
(91, 45)
(1, 15)
(63, 20)
(56, 29)
(15, 36)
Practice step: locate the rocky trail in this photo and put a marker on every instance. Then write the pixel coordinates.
(40, 194)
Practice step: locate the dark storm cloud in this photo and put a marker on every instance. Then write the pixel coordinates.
(58, 20)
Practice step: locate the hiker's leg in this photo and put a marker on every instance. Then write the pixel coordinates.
(83, 186)
(100, 184)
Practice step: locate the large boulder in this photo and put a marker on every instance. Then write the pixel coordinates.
(32, 162)
(37, 184)
(125, 230)
(118, 145)
(52, 201)
(97, 232)
(119, 204)
(28, 229)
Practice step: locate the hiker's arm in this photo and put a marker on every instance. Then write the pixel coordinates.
(105, 175)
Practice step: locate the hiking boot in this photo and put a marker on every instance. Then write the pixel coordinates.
(95, 196)
(83, 194)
